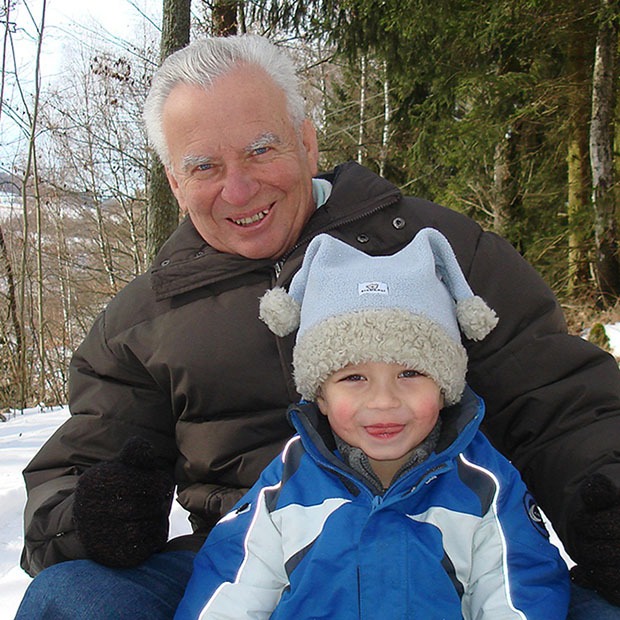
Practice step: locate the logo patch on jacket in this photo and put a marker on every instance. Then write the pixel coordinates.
(533, 512)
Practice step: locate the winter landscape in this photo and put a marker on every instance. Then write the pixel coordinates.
(20, 437)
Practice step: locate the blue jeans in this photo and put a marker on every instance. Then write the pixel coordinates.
(84, 590)
(587, 605)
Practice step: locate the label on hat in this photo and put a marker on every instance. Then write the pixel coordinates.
(372, 288)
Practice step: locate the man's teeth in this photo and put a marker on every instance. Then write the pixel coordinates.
(250, 220)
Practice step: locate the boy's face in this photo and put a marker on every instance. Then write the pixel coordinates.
(384, 409)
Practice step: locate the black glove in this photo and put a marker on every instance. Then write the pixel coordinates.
(121, 507)
(597, 528)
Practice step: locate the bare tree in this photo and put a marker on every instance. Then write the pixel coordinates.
(362, 114)
(163, 209)
(30, 175)
(578, 194)
(601, 153)
(224, 17)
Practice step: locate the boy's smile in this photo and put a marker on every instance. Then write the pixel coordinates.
(384, 431)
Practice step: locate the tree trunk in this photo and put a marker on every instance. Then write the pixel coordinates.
(224, 18)
(578, 198)
(503, 184)
(362, 116)
(601, 157)
(31, 170)
(387, 117)
(162, 207)
(12, 297)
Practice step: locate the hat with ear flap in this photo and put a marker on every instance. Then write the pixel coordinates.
(410, 308)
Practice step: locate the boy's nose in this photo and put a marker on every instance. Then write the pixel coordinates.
(383, 397)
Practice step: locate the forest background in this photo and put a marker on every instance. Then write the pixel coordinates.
(506, 111)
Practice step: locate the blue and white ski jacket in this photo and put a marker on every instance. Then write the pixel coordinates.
(457, 536)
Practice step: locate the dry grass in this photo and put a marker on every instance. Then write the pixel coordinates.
(581, 316)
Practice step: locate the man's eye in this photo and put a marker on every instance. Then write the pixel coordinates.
(261, 150)
(204, 167)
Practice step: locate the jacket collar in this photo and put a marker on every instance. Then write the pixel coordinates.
(460, 423)
(186, 262)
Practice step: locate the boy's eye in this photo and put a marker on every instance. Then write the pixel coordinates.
(352, 378)
(408, 374)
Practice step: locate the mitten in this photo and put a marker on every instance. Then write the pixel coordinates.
(121, 507)
(597, 529)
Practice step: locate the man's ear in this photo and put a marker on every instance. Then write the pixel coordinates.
(311, 145)
(174, 186)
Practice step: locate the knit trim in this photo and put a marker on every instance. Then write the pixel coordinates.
(386, 335)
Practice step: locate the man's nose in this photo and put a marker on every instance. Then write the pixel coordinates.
(239, 187)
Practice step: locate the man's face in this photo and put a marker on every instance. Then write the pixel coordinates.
(238, 166)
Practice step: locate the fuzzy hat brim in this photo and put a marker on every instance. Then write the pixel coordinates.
(385, 335)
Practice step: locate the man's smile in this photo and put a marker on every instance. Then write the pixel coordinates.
(252, 219)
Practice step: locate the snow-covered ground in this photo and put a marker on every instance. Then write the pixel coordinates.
(20, 438)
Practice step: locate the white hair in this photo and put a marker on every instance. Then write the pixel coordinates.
(204, 60)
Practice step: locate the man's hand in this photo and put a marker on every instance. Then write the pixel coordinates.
(598, 538)
(121, 507)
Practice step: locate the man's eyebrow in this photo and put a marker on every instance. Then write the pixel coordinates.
(266, 139)
(191, 161)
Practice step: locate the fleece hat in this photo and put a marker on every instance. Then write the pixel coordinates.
(409, 308)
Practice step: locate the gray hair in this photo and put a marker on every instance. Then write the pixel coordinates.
(204, 60)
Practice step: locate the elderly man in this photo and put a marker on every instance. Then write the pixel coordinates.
(180, 373)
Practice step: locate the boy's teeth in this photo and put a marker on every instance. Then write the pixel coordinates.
(250, 220)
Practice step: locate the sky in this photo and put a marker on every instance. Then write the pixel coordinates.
(69, 20)
(20, 438)
(70, 26)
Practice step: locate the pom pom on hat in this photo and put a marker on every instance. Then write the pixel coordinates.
(279, 311)
(476, 319)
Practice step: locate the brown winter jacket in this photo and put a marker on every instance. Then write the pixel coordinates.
(180, 357)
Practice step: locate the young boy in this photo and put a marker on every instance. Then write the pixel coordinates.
(389, 502)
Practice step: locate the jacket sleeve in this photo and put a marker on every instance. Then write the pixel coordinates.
(553, 400)
(111, 398)
(516, 573)
(239, 572)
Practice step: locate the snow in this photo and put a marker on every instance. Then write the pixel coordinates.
(20, 438)
(613, 333)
